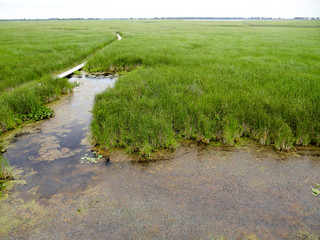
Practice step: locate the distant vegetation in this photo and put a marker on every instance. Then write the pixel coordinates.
(209, 81)
(168, 18)
(30, 50)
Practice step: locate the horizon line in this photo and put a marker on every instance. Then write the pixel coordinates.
(160, 18)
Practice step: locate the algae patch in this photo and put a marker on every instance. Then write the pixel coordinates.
(19, 215)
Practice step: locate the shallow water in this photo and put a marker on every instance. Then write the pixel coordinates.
(248, 192)
(54, 147)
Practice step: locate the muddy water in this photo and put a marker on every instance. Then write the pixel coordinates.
(248, 192)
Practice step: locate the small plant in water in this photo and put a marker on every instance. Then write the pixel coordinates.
(39, 114)
(316, 190)
(5, 173)
(75, 84)
(86, 159)
(77, 73)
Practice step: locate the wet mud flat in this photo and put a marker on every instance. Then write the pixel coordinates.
(248, 192)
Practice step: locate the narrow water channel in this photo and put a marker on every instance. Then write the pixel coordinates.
(52, 153)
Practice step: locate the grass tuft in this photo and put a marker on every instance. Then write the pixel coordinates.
(25, 102)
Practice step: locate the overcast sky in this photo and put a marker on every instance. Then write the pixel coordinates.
(159, 8)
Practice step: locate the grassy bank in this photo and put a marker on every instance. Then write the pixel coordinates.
(209, 81)
(26, 101)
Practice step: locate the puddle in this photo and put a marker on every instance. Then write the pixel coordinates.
(250, 192)
(53, 151)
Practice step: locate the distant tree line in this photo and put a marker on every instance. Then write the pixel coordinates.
(168, 18)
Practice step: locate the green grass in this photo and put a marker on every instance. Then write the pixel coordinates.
(25, 102)
(31, 52)
(5, 170)
(209, 82)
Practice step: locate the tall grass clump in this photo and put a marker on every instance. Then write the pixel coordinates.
(208, 82)
(5, 169)
(26, 101)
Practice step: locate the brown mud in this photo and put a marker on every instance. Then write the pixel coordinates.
(245, 192)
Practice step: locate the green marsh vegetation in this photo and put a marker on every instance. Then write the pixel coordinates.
(209, 81)
(31, 50)
(30, 53)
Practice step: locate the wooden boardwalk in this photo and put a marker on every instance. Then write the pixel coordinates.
(77, 68)
(70, 71)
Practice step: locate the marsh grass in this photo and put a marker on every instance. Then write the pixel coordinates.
(31, 50)
(5, 169)
(30, 53)
(5, 173)
(26, 101)
(208, 82)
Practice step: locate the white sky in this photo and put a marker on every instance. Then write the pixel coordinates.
(160, 8)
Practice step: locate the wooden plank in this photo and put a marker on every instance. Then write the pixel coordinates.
(77, 68)
(70, 71)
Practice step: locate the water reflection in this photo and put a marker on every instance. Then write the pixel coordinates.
(54, 148)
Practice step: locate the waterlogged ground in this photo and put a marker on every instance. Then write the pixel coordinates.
(248, 192)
